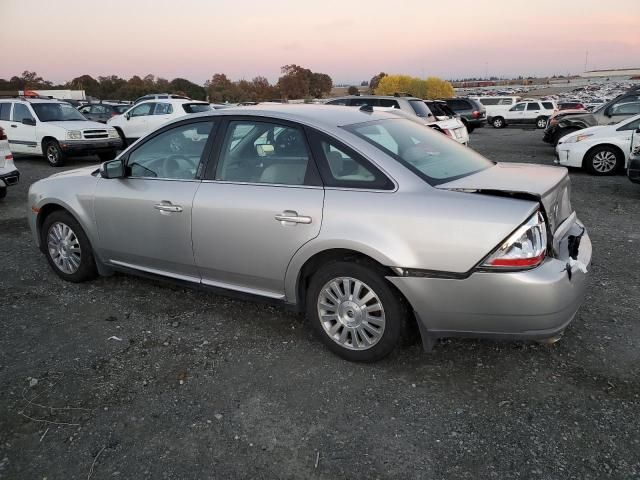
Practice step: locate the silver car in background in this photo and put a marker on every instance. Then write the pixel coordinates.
(365, 221)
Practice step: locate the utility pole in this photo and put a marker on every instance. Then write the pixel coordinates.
(586, 58)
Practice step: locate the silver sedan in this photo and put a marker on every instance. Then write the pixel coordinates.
(367, 222)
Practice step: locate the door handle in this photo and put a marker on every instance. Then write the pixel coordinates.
(290, 216)
(167, 207)
(14, 126)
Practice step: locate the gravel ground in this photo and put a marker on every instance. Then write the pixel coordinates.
(199, 386)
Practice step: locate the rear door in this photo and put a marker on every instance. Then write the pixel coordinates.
(138, 118)
(161, 114)
(532, 112)
(260, 202)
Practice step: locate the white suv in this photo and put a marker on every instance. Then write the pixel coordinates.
(146, 116)
(9, 174)
(524, 113)
(54, 129)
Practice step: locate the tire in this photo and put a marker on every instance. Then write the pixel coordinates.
(603, 160)
(68, 263)
(541, 122)
(3, 192)
(336, 313)
(122, 137)
(106, 156)
(498, 122)
(53, 153)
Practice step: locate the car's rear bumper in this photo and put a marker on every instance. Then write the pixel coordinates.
(633, 171)
(71, 147)
(531, 304)
(10, 178)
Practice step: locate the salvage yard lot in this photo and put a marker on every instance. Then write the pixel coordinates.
(156, 381)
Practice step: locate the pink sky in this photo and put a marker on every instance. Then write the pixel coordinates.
(349, 40)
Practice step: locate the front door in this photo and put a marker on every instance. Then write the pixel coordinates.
(516, 113)
(136, 125)
(144, 219)
(260, 205)
(22, 137)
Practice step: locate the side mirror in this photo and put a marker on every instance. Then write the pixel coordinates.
(607, 113)
(112, 169)
(29, 121)
(127, 116)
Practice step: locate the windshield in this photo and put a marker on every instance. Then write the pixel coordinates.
(196, 107)
(432, 156)
(53, 112)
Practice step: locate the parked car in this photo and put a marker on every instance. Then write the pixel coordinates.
(387, 223)
(571, 106)
(9, 174)
(524, 113)
(101, 112)
(472, 113)
(495, 105)
(55, 130)
(452, 127)
(144, 117)
(601, 150)
(160, 96)
(633, 170)
(555, 130)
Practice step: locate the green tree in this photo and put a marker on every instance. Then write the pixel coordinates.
(353, 90)
(186, 87)
(320, 84)
(294, 83)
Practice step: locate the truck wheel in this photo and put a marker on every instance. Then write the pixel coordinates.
(53, 153)
(498, 122)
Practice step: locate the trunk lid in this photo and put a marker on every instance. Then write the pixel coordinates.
(548, 185)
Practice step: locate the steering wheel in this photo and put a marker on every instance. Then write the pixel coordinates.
(287, 140)
(178, 166)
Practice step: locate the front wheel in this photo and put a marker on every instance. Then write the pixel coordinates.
(67, 248)
(53, 153)
(603, 160)
(356, 313)
(498, 122)
(541, 122)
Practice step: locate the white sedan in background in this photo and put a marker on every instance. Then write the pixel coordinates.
(601, 150)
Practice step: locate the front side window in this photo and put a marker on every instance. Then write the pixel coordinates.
(630, 108)
(173, 154)
(196, 107)
(518, 108)
(263, 152)
(142, 110)
(431, 155)
(56, 112)
(163, 109)
(420, 108)
(633, 125)
(98, 109)
(20, 112)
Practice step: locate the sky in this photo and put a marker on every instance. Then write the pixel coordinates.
(349, 40)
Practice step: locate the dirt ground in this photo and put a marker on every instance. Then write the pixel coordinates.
(127, 378)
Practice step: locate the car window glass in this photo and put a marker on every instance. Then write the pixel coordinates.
(634, 125)
(263, 152)
(549, 105)
(142, 110)
(420, 108)
(387, 102)
(163, 109)
(5, 111)
(342, 101)
(489, 101)
(519, 107)
(20, 112)
(85, 109)
(505, 101)
(533, 106)
(173, 154)
(359, 101)
(99, 109)
(625, 108)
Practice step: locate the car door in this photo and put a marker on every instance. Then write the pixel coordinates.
(136, 121)
(516, 113)
(22, 136)
(260, 202)
(532, 112)
(616, 112)
(162, 113)
(144, 220)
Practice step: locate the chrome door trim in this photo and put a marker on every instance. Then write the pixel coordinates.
(258, 184)
(238, 288)
(186, 278)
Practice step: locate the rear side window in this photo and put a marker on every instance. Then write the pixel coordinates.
(489, 101)
(505, 101)
(340, 166)
(163, 109)
(458, 105)
(5, 111)
(359, 101)
(196, 107)
(387, 102)
(533, 106)
(549, 105)
(420, 108)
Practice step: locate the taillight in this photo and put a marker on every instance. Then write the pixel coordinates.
(114, 114)
(475, 114)
(448, 132)
(525, 248)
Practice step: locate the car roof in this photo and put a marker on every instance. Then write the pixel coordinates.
(312, 114)
(392, 97)
(169, 100)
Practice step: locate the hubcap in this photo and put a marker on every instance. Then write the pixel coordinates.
(64, 248)
(542, 123)
(604, 161)
(351, 313)
(497, 123)
(52, 154)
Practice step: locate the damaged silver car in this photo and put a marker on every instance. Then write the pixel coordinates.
(365, 221)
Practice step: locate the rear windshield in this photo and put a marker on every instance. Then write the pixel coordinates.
(436, 109)
(432, 156)
(420, 108)
(196, 107)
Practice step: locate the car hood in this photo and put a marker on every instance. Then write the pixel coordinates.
(76, 172)
(77, 124)
(548, 185)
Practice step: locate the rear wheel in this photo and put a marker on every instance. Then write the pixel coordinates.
(355, 311)
(498, 122)
(603, 160)
(53, 153)
(541, 122)
(67, 248)
(122, 137)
